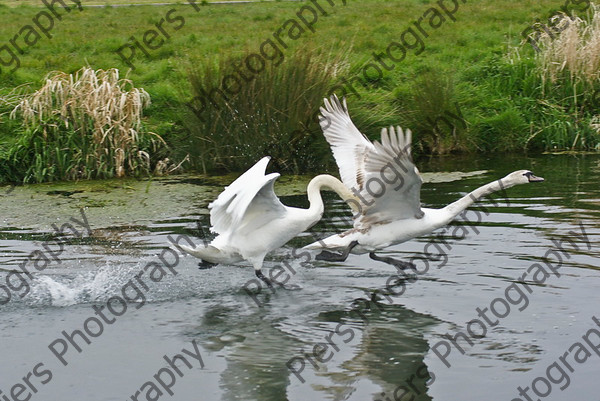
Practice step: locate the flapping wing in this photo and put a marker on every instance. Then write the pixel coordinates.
(392, 187)
(248, 201)
(382, 173)
(347, 143)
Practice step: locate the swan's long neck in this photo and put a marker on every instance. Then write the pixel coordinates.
(314, 192)
(460, 205)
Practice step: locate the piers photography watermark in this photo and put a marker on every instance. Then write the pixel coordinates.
(557, 373)
(132, 293)
(72, 342)
(411, 39)
(557, 21)
(515, 294)
(153, 39)
(18, 281)
(42, 23)
(271, 49)
(166, 377)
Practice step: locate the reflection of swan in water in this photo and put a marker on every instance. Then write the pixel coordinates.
(251, 220)
(386, 348)
(392, 355)
(387, 182)
(256, 347)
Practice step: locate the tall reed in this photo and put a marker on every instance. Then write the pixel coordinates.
(83, 125)
(573, 47)
(551, 97)
(274, 114)
(428, 110)
(569, 63)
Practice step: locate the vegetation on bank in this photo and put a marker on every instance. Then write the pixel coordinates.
(82, 126)
(477, 86)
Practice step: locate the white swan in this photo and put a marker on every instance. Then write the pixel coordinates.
(388, 185)
(251, 220)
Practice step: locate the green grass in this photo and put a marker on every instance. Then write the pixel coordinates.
(500, 103)
(38, 3)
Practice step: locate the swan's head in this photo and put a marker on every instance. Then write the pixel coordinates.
(521, 177)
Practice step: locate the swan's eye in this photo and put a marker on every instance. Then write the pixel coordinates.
(528, 174)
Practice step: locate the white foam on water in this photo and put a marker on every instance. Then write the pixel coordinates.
(93, 284)
(83, 287)
(61, 294)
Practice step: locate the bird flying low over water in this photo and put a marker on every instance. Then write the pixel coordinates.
(387, 184)
(251, 221)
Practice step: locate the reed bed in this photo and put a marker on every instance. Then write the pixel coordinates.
(574, 51)
(429, 109)
(569, 64)
(81, 126)
(274, 114)
(547, 100)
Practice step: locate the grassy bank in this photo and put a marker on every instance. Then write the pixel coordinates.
(460, 69)
(123, 3)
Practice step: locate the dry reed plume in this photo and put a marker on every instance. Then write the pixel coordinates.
(575, 50)
(569, 58)
(96, 118)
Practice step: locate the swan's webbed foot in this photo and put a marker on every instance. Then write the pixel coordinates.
(330, 256)
(291, 287)
(261, 276)
(398, 264)
(203, 265)
(336, 257)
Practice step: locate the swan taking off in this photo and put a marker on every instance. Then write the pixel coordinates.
(388, 186)
(251, 221)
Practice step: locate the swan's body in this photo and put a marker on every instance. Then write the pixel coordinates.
(379, 236)
(388, 185)
(251, 220)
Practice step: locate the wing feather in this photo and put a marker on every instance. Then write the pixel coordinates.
(251, 191)
(390, 164)
(347, 143)
(363, 164)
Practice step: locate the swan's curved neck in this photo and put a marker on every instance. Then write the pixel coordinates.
(460, 205)
(325, 180)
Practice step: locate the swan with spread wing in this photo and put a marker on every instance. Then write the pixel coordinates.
(251, 221)
(386, 182)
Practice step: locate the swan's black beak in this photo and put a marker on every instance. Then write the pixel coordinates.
(533, 178)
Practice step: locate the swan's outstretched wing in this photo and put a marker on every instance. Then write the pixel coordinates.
(383, 174)
(347, 143)
(248, 202)
(392, 188)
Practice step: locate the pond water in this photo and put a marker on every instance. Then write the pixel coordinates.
(391, 347)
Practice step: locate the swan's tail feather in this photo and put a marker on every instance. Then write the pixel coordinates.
(207, 253)
(314, 245)
(331, 242)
